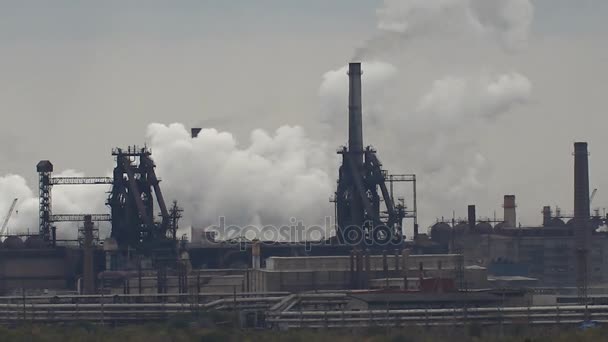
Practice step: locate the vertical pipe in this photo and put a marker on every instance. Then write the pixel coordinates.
(359, 273)
(420, 275)
(396, 262)
(88, 272)
(415, 211)
(355, 115)
(472, 216)
(353, 283)
(367, 268)
(404, 266)
(255, 255)
(581, 185)
(581, 217)
(385, 267)
(139, 285)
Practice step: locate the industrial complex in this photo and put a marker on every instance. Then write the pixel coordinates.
(145, 271)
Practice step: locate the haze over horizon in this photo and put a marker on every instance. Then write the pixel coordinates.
(478, 101)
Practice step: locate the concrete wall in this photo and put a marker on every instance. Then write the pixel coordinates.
(308, 280)
(551, 259)
(37, 269)
(337, 263)
(297, 274)
(205, 281)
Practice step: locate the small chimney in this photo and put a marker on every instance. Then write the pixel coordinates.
(581, 192)
(546, 216)
(195, 131)
(472, 217)
(509, 211)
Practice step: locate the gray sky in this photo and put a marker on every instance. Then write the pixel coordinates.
(80, 77)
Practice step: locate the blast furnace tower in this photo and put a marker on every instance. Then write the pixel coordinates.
(362, 184)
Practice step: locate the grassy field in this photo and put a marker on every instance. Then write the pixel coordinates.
(175, 331)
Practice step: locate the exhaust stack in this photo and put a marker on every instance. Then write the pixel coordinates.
(547, 215)
(581, 190)
(472, 217)
(510, 215)
(355, 116)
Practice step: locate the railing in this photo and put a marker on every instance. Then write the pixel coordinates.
(547, 315)
(80, 180)
(143, 297)
(29, 309)
(281, 310)
(79, 217)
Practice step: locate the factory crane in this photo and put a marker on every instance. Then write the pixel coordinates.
(8, 216)
(592, 196)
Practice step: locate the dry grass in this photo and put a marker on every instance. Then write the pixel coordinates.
(181, 330)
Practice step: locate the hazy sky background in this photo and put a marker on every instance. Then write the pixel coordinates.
(80, 77)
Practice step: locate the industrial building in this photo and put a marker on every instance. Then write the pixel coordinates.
(143, 255)
(563, 252)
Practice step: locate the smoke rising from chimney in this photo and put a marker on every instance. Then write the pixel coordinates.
(433, 128)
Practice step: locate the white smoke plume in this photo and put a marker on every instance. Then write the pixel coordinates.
(272, 180)
(333, 94)
(454, 100)
(400, 21)
(445, 124)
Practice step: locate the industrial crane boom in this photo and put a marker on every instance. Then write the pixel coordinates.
(592, 195)
(8, 216)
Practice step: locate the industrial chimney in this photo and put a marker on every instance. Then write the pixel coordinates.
(472, 217)
(195, 131)
(355, 116)
(509, 211)
(546, 216)
(581, 188)
(581, 216)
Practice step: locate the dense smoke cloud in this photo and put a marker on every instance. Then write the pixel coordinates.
(400, 21)
(445, 124)
(272, 180)
(452, 99)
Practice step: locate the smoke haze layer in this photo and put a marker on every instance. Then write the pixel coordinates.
(428, 127)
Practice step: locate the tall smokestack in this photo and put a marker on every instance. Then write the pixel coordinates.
(581, 217)
(581, 188)
(472, 217)
(355, 116)
(509, 211)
